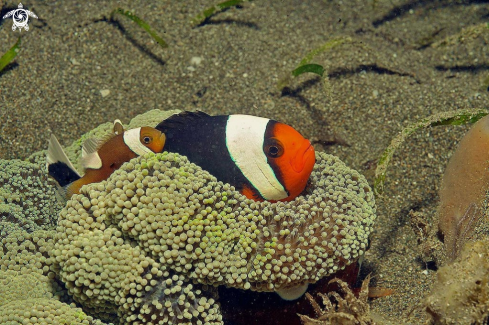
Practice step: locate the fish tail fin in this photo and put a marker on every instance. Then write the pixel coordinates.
(62, 193)
(59, 165)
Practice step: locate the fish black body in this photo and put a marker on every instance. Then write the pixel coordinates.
(202, 138)
(262, 158)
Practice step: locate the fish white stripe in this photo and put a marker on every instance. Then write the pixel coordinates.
(244, 140)
(133, 141)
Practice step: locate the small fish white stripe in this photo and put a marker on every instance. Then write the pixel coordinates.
(133, 141)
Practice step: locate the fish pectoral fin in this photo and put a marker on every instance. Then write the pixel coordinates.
(90, 157)
(90, 145)
(292, 293)
(250, 193)
(92, 161)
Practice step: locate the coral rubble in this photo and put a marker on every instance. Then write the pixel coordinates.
(461, 292)
(347, 310)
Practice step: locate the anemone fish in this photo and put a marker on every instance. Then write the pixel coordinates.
(262, 158)
(100, 158)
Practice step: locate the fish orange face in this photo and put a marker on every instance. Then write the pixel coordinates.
(152, 138)
(293, 158)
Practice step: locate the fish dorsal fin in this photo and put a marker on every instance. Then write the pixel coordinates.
(118, 127)
(90, 157)
(181, 119)
(56, 153)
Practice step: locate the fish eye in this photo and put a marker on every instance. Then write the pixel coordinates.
(273, 148)
(273, 151)
(147, 139)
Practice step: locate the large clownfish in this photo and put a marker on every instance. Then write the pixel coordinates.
(100, 158)
(262, 158)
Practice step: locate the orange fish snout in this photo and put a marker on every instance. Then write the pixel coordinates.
(305, 158)
(301, 166)
(153, 139)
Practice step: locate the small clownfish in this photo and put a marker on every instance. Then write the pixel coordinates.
(262, 158)
(100, 158)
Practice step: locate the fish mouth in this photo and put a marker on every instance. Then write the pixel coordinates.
(307, 156)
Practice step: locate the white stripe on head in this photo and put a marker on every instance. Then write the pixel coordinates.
(244, 140)
(133, 141)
